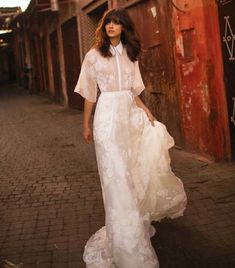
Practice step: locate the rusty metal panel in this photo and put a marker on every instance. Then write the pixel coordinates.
(56, 66)
(227, 31)
(72, 61)
(157, 62)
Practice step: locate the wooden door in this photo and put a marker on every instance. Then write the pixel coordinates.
(45, 74)
(157, 62)
(56, 66)
(72, 61)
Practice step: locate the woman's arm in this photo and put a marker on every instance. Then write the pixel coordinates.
(140, 104)
(87, 132)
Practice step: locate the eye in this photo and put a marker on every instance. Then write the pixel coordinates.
(116, 23)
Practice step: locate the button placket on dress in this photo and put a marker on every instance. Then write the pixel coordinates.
(115, 54)
(118, 68)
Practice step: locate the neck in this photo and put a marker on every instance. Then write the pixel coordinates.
(115, 41)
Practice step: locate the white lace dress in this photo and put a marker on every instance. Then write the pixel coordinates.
(133, 162)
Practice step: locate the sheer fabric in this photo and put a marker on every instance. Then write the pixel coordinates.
(117, 73)
(138, 185)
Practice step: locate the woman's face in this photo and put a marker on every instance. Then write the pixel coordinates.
(113, 29)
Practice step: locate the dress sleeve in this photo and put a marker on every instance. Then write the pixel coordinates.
(138, 84)
(87, 85)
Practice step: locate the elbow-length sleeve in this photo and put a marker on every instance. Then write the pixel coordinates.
(87, 85)
(138, 84)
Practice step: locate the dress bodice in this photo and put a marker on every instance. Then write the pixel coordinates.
(108, 73)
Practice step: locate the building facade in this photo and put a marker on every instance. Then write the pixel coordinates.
(7, 64)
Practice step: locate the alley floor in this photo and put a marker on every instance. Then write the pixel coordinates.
(51, 202)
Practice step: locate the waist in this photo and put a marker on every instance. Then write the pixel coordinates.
(116, 95)
(116, 92)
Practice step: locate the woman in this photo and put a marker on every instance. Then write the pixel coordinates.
(131, 148)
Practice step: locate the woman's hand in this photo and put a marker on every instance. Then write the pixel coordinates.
(150, 117)
(140, 104)
(87, 135)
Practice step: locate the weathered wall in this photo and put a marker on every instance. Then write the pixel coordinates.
(48, 26)
(200, 74)
(4, 67)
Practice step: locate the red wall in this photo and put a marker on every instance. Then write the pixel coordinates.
(200, 74)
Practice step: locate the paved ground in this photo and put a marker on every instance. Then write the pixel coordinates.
(50, 198)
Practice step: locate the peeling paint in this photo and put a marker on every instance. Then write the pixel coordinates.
(205, 98)
(179, 46)
(188, 67)
(154, 11)
(189, 103)
(202, 93)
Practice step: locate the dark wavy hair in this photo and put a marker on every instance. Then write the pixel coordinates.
(129, 36)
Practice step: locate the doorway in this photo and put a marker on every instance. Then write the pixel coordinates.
(72, 61)
(56, 66)
(227, 34)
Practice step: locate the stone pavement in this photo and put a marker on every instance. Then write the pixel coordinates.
(50, 196)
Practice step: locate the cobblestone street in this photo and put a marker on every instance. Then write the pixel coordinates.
(51, 202)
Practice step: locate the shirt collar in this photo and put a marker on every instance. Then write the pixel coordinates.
(118, 48)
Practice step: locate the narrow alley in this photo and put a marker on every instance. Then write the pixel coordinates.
(51, 202)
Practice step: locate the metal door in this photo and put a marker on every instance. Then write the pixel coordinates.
(157, 63)
(56, 66)
(227, 32)
(72, 61)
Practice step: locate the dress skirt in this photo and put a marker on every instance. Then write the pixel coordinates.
(138, 185)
